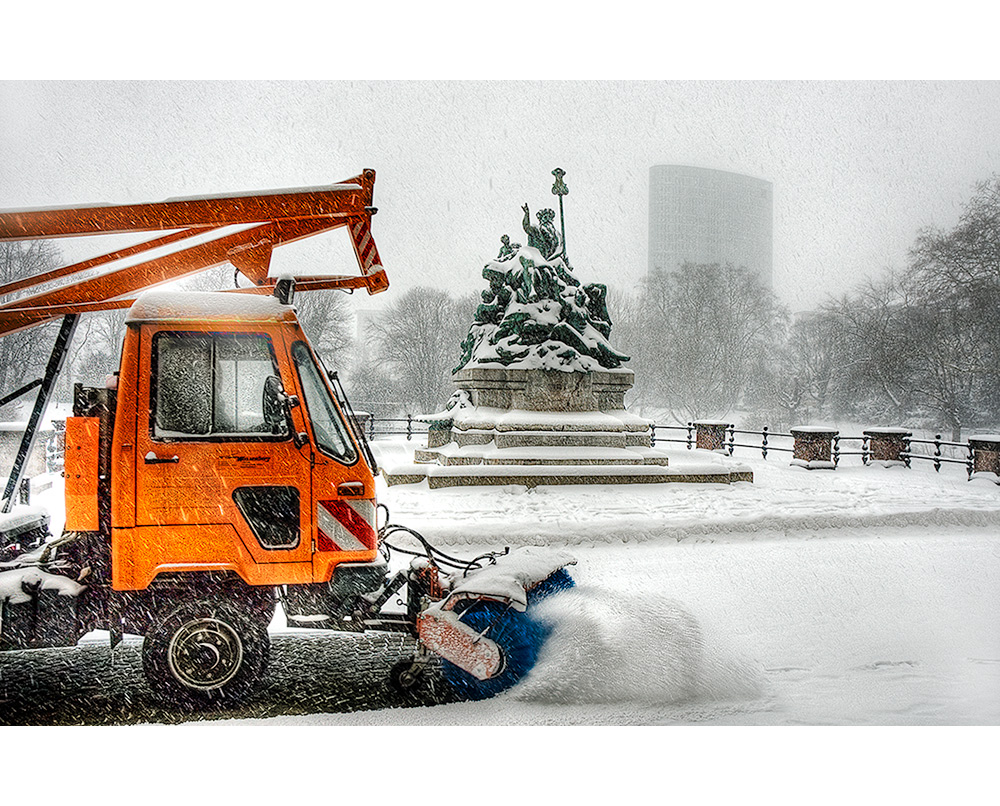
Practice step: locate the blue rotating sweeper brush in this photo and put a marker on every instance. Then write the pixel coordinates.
(519, 635)
(478, 619)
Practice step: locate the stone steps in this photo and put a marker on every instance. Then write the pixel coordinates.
(532, 455)
(438, 476)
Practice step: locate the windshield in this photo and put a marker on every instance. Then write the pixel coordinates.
(328, 428)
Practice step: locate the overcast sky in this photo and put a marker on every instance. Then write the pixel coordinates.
(857, 167)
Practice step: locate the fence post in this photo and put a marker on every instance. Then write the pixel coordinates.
(836, 450)
(711, 435)
(763, 445)
(984, 455)
(690, 427)
(887, 445)
(371, 427)
(409, 426)
(812, 447)
(937, 453)
(732, 437)
(652, 435)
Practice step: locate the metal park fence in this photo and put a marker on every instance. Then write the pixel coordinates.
(816, 446)
(407, 426)
(810, 446)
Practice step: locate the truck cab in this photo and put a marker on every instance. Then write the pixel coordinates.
(230, 450)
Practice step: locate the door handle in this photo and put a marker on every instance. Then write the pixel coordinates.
(348, 488)
(153, 459)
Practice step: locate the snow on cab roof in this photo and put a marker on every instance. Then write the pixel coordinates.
(214, 306)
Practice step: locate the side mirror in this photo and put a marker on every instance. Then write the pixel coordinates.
(275, 405)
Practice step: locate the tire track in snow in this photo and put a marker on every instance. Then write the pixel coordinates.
(648, 529)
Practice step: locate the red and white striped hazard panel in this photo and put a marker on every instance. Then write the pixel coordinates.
(364, 246)
(345, 525)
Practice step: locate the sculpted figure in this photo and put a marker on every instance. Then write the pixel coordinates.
(544, 237)
(535, 237)
(535, 303)
(507, 249)
(553, 243)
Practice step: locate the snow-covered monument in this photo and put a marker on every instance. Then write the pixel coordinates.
(540, 389)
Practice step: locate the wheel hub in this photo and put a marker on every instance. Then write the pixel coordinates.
(205, 654)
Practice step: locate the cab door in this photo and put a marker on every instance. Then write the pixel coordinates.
(343, 487)
(216, 479)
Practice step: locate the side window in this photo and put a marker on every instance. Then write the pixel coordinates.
(182, 385)
(329, 429)
(211, 386)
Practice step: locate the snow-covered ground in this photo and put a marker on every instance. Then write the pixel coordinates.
(861, 596)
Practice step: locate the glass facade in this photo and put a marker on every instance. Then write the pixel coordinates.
(703, 215)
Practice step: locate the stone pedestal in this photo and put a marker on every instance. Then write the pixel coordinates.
(710, 435)
(363, 419)
(813, 447)
(541, 390)
(536, 427)
(986, 454)
(888, 445)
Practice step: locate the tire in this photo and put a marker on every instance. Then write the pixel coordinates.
(205, 654)
(519, 638)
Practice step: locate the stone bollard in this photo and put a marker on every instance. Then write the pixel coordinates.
(887, 444)
(813, 447)
(711, 435)
(986, 454)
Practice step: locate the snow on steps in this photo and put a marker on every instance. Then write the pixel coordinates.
(438, 476)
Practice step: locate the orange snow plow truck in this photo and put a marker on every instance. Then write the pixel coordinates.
(221, 471)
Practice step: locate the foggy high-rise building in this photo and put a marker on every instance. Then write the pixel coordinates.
(702, 215)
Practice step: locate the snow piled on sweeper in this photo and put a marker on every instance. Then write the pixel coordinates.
(581, 646)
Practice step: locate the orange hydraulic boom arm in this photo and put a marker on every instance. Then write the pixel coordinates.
(273, 218)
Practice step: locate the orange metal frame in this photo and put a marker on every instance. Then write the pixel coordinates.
(280, 217)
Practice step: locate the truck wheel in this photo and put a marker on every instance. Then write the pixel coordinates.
(519, 638)
(204, 654)
(406, 675)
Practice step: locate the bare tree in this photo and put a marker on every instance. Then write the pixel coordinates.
(875, 371)
(327, 318)
(967, 257)
(628, 335)
(704, 330)
(23, 354)
(418, 340)
(958, 273)
(922, 343)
